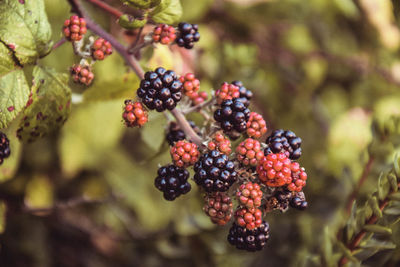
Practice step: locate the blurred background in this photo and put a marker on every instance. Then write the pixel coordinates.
(329, 70)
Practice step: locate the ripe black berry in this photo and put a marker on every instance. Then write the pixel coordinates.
(232, 116)
(160, 89)
(245, 94)
(215, 172)
(175, 133)
(4, 147)
(172, 181)
(281, 141)
(299, 201)
(188, 35)
(250, 240)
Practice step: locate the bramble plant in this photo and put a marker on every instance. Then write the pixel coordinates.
(244, 169)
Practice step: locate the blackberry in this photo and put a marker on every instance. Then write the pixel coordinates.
(188, 35)
(280, 200)
(175, 133)
(245, 94)
(218, 206)
(281, 141)
(74, 28)
(164, 34)
(82, 74)
(160, 89)
(250, 240)
(4, 147)
(172, 181)
(215, 172)
(232, 116)
(100, 49)
(298, 201)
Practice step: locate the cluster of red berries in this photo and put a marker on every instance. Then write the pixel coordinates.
(226, 91)
(100, 49)
(221, 143)
(249, 152)
(82, 74)
(74, 28)
(134, 114)
(164, 34)
(184, 153)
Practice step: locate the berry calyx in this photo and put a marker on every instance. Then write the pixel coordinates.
(232, 116)
(5, 150)
(245, 94)
(191, 85)
(188, 34)
(250, 240)
(281, 141)
(74, 28)
(160, 89)
(172, 181)
(226, 91)
(134, 114)
(248, 217)
(249, 152)
(274, 170)
(249, 195)
(221, 143)
(299, 177)
(164, 34)
(184, 153)
(215, 172)
(82, 74)
(175, 133)
(256, 126)
(100, 49)
(218, 206)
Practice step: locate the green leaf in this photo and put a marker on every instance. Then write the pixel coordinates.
(347, 252)
(50, 106)
(374, 204)
(150, 133)
(7, 62)
(14, 91)
(89, 134)
(395, 196)
(24, 29)
(392, 211)
(383, 186)
(142, 4)
(378, 229)
(393, 182)
(3, 210)
(129, 22)
(169, 12)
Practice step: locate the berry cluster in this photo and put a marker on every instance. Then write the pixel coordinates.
(100, 49)
(74, 28)
(164, 34)
(188, 35)
(134, 114)
(4, 147)
(82, 74)
(259, 176)
(160, 89)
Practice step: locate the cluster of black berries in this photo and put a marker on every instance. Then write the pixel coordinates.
(281, 141)
(188, 35)
(172, 181)
(160, 89)
(233, 115)
(4, 147)
(250, 240)
(215, 172)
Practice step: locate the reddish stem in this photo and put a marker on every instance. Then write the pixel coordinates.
(59, 43)
(106, 7)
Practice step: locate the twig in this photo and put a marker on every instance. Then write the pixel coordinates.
(363, 178)
(134, 64)
(199, 106)
(59, 43)
(71, 203)
(134, 44)
(109, 9)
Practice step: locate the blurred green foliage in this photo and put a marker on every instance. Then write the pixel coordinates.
(328, 70)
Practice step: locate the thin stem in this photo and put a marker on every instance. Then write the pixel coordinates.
(135, 66)
(363, 178)
(199, 106)
(109, 9)
(136, 40)
(59, 43)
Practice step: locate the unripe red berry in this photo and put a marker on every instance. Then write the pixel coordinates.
(221, 143)
(191, 85)
(134, 114)
(274, 170)
(227, 91)
(101, 49)
(299, 177)
(256, 126)
(218, 205)
(248, 217)
(164, 34)
(249, 195)
(184, 153)
(249, 152)
(74, 28)
(82, 74)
